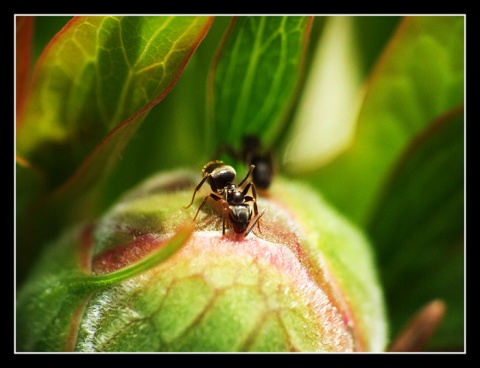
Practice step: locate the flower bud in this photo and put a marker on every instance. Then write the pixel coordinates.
(303, 279)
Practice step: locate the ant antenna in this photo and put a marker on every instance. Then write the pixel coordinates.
(254, 222)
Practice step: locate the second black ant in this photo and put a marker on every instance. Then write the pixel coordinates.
(236, 202)
(252, 154)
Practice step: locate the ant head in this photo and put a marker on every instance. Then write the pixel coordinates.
(240, 216)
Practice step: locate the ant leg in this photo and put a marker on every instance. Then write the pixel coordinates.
(254, 191)
(254, 200)
(211, 195)
(225, 209)
(228, 150)
(247, 188)
(255, 210)
(247, 176)
(223, 223)
(197, 189)
(257, 219)
(224, 216)
(255, 207)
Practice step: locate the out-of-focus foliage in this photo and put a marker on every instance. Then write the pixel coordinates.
(410, 117)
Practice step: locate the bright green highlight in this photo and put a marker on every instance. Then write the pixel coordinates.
(256, 76)
(419, 77)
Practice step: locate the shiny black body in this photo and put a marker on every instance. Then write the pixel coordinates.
(236, 202)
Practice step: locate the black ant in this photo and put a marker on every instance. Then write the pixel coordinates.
(251, 155)
(235, 201)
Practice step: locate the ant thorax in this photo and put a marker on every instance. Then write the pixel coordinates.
(233, 195)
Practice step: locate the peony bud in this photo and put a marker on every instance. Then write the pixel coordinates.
(141, 280)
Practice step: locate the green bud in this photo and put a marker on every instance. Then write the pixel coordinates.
(141, 280)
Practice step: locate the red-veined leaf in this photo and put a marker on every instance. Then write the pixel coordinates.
(96, 73)
(23, 54)
(93, 86)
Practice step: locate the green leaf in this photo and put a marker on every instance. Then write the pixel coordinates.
(46, 27)
(29, 184)
(77, 199)
(419, 77)
(178, 121)
(96, 73)
(94, 85)
(418, 229)
(255, 77)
